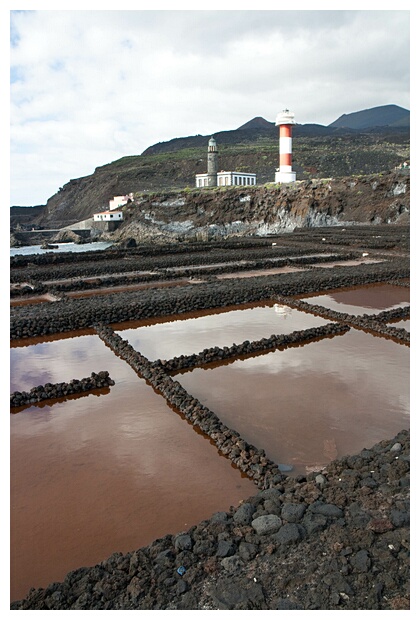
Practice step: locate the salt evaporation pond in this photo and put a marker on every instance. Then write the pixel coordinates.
(191, 333)
(257, 273)
(104, 472)
(346, 263)
(310, 404)
(26, 250)
(122, 456)
(363, 300)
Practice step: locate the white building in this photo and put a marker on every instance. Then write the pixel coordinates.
(236, 178)
(227, 178)
(119, 201)
(108, 216)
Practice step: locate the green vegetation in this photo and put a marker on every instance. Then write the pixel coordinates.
(322, 156)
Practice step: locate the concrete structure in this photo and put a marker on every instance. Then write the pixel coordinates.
(202, 180)
(119, 201)
(108, 216)
(216, 179)
(236, 178)
(284, 174)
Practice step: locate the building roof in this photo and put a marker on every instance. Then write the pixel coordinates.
(239, 173)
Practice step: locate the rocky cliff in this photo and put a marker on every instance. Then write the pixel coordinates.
(271, 209)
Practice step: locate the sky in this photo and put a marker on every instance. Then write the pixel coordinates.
(89, 86)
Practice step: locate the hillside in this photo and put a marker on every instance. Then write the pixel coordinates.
(383, 116)
(318, 152)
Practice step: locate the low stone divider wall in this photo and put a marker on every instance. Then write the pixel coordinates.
(376, 323)
(215, 354)
(250, 460)
(74, 314)
(58, 390)
(40, 267)
(75, 278)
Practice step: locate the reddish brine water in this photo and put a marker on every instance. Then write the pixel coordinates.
(258, 272)
(310, 404)
(193, 333)
(104, 472)
(346, 263)
(364, 299)
(115, 469)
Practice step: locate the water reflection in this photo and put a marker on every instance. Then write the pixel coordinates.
(62, 247)
(346, 263)
(192, 335)
(258, 273)
(364, 300)
(405, 324)
(129, 287)
(307, 405)
(103, 473)
(57, 361)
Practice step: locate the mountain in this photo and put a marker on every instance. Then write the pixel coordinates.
(381, 116)
(388, 118)
(257, 123)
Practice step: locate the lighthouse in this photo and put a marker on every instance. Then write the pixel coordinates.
(212, 178)
(284, 174)
(212, 163)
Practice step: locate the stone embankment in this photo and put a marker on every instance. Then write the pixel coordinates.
(337, 539)
(59, 390)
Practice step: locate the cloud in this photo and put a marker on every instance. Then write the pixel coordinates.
(88, 87)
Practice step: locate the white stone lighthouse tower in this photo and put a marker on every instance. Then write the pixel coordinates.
(284, 174)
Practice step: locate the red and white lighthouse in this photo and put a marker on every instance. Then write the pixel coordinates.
(284, 174)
